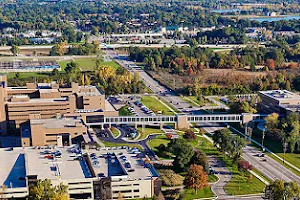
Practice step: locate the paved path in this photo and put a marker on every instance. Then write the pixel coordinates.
(222, 173)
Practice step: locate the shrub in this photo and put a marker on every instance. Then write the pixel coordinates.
(244, 165)
(170, 178)
(190, 135)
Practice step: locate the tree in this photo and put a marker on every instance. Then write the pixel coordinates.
(189, 134)
(200, 158)
(230, 145)
(252, 67)
(183, 152)
(244, 165)
(279, 190)
(44, 191)
(55, 72)
(170, 178)
(270, 63)
(196, 178)
(15, 50)
(272, 120)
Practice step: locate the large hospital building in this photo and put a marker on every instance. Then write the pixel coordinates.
(49, 114)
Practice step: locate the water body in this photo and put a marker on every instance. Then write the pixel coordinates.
(272, 19)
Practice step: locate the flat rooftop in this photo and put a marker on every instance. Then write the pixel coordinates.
(57, 123)
(281, 94)
(41, 100)
(12, 167)
(118, 162)
(65, 167)
(89, 90)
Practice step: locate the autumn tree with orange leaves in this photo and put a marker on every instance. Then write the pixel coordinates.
(196, 178)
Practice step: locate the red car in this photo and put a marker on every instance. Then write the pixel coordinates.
(49, 156)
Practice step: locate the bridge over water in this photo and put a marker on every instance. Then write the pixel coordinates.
(181, 121)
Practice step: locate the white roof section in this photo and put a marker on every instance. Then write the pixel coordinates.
(281, 94)
(12, 167)
(57, 122)
(65, 167)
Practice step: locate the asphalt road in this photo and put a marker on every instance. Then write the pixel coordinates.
(269, 168)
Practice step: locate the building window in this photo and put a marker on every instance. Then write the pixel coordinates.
(123, 191)
(136, 190)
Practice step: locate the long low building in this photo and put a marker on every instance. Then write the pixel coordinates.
(88, 174)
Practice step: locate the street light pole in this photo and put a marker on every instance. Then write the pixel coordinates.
(284, 149)
(263, 137)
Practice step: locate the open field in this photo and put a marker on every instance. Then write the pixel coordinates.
(221, 77)
(155, 105)
(87, 64)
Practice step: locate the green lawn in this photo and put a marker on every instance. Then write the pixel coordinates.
(162, 139)
(115, 131)
(190, 194)
(28, 75)
(201, 103)
(261, 175)
(188, 100)
(87, 64)
(205, 145)
(147, 131)
(154, 144)
(239, 185)
(155, 105)
(124, 111)
(212, 178)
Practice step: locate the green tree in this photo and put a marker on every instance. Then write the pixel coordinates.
(200, 158)
(43, 190)
(279, 190)
(230, 145)
(15, 50)
(183, 152)
(170, 178)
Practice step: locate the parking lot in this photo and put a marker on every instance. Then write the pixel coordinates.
(136, 107)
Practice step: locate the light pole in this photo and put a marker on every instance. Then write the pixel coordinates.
(263, 137)
(284, 149)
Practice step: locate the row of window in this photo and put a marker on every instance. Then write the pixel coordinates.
(125, 191)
